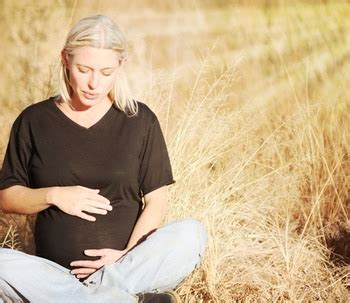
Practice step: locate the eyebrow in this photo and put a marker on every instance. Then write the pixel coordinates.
(105, 68)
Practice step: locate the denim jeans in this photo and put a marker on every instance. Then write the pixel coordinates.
(157, 264)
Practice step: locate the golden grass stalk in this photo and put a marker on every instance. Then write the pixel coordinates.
(254, 107)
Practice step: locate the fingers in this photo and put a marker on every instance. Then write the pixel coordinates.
(82, 271)
(88, 189)
(94, 252)
(86, 264)
(81, 276)
(92, 202)
(98, 198)
(98, 204)
(86, 216)
(99, 201)
(94, 210)
(97, 208)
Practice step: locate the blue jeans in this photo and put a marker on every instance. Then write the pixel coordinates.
(157, 264)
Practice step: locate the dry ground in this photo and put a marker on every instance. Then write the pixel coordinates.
(254, 102)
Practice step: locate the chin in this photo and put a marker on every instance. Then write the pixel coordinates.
(88, 101)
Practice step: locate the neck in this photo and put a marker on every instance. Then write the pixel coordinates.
(78, 107)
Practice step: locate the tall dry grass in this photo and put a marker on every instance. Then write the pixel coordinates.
(254, 103)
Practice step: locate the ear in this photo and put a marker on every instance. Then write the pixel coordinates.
(64, 58)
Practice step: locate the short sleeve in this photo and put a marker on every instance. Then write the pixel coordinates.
(15, 165)
(155, 168)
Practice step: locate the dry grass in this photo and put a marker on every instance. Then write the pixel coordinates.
(254, 103)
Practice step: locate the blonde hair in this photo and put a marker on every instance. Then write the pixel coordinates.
(99, 31)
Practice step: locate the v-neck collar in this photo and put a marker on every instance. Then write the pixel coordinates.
(76, 125)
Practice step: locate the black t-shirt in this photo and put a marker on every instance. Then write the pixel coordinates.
(125, 157)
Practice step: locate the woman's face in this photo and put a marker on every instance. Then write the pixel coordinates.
(92, 74)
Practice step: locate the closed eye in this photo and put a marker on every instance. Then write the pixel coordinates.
(83, 70)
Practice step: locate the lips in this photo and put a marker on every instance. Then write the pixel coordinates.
(90, 96)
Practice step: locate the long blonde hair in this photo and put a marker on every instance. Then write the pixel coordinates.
(102, 32)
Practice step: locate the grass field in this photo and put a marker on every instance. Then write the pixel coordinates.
(254, 101)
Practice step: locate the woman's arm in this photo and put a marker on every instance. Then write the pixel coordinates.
(73, 200)
(152, 215)
(24, 200)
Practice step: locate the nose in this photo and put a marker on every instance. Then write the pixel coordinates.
(93, 81)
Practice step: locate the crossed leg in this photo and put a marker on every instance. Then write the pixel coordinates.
(159, 263)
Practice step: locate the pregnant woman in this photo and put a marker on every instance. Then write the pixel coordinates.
(92, 163)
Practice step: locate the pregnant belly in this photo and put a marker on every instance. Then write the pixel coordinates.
(62, 238)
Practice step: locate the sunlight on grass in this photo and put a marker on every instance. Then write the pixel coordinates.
(253, 101)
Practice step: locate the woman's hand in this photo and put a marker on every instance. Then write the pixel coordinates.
(86, 267)
(76, 200)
